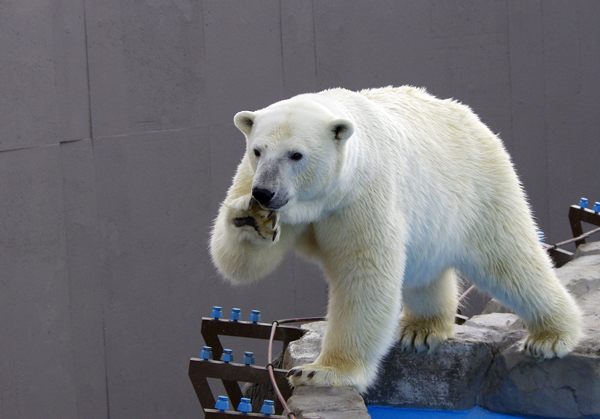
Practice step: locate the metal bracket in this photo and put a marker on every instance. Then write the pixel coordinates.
(232, 373)
(577, 215)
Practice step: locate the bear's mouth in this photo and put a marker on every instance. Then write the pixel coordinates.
(275, 206)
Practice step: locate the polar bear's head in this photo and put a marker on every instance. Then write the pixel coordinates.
(296, 149)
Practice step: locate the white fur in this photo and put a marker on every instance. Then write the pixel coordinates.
(395, 190)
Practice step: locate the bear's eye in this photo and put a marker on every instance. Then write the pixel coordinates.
(296, 156)
(257, 152)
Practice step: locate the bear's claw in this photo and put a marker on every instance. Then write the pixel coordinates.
(421, 338)
(546, 347)
(265, 223)
(297, 373)
(323, 376)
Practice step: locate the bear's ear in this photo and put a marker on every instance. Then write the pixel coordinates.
(244, 121)
(342, 129)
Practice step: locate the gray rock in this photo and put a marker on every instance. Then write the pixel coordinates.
(328, 403)
(495, 306)
(307, 349)
(450, 378)
(557, 388)
(581, 275)
(502, 322)
(588, 249)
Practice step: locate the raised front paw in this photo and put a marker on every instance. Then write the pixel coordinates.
(319, 376)
(261, 225)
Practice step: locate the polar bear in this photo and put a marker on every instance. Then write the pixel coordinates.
(392, 192)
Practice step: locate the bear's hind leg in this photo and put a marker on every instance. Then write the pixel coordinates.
(428, 313)
(526, 282)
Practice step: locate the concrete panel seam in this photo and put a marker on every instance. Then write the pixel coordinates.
(42, 146)
(281, 48)
(87, 69)
(314, 22)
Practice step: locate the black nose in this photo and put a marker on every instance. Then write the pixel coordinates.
(263, 196)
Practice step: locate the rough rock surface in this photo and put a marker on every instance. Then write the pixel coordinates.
(448, 379)
(305, 350)
(483, 364)
(558, 388)
(495, 306)
(588, 249)
(328, 403)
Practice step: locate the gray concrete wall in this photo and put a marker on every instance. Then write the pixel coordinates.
(116, 146)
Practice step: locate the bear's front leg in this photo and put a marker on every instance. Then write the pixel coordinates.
(361, 325)
(248, 242)
(428, 313)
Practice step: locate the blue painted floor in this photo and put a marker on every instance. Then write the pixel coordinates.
(379, 412)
